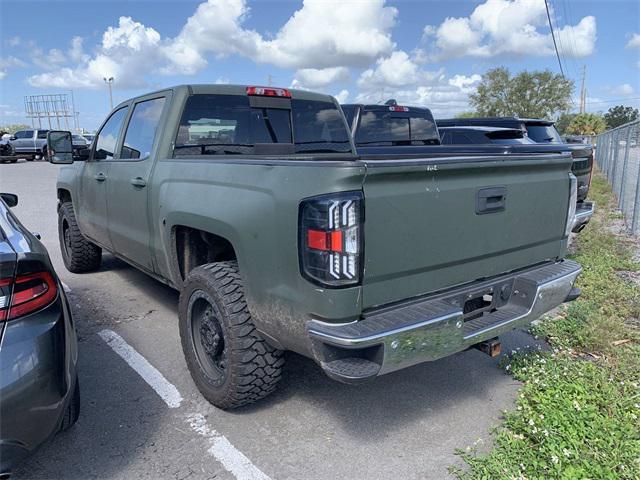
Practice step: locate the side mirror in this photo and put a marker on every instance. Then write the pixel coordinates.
(10, 199)
(59, 147)
(83, 153)
(13, 137)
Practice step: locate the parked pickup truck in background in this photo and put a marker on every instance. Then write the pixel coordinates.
(542, 132)
(253, 203)
(31, 144)
(392, 129)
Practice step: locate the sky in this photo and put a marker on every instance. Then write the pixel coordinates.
(429, 53)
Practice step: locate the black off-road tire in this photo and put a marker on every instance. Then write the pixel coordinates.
(72, 412)
(78, 254)
(252, 367)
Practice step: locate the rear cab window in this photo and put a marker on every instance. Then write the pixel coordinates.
(390, 125)
(227, 124)
(543, 133)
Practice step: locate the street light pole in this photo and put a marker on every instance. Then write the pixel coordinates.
(109, 81)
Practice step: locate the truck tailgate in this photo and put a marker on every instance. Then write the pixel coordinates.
(437, 223)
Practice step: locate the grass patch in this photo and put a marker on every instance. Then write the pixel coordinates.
(577, 415)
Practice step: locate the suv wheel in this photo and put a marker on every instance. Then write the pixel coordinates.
(78, 253)
(72, 412)
(231, 364)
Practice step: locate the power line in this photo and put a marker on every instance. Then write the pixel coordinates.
(615, 100)
(553, 35)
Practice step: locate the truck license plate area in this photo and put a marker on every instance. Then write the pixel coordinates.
(477, 305)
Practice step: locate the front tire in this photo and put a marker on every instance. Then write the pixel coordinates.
(78, 254)
(230, 363)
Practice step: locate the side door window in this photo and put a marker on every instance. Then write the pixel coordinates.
(141, 131)
(107, 139)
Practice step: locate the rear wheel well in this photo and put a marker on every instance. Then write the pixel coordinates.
(63, 196)
(196, 247)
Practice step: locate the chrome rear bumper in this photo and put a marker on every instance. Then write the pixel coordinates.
(584, 212)
(396, 337)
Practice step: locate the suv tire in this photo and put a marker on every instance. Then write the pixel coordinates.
(79, 254)
(72, 412)
(230, 363)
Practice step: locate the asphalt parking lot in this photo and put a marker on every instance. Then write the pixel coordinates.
(404, 425)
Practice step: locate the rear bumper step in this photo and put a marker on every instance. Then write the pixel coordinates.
(584, 212)
(399, 336)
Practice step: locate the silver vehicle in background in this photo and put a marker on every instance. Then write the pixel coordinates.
(30, 144)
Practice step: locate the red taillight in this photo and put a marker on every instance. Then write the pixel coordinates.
(269, 92)
(398, 108)
(330, 244)
(31, 292)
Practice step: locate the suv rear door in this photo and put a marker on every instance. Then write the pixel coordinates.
(127, 190)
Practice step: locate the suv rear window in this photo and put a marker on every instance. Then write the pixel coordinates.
(227, 124)
(384, 127)
(543, 133)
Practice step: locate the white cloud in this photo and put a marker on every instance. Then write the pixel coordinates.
(319, 77)
(395, 70)
(126, 53)
(624, 89)
(509, 27)
(342, 96)
(9, 62)
(401, 77)
(349, 33)
(320, 42)
(634, 41)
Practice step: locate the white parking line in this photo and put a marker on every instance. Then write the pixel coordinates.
(167, 391)
(232, 459)
(229, 456)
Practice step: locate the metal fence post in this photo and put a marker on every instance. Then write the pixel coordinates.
(624, 169)
(616, 144)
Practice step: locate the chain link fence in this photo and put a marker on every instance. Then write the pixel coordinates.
(618, 157)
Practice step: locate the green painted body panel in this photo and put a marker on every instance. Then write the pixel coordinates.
(421, 233)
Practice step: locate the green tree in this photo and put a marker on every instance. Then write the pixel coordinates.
(619, 115)
(587, 124)
(466, 115)
(14, 127)
(564, 121)
(537, 94)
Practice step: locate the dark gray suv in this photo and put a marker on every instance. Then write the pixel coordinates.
(39, 390)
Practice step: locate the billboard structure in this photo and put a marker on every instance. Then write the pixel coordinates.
(51, 111)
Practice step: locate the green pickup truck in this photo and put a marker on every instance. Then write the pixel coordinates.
(253, 203)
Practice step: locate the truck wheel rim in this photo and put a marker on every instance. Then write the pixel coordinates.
(208, 339)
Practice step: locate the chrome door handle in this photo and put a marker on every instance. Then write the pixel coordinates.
(100, 177)
(138, 182)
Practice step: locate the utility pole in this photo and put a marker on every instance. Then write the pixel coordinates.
(269, 80)
(583, 91)
(109, 81)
